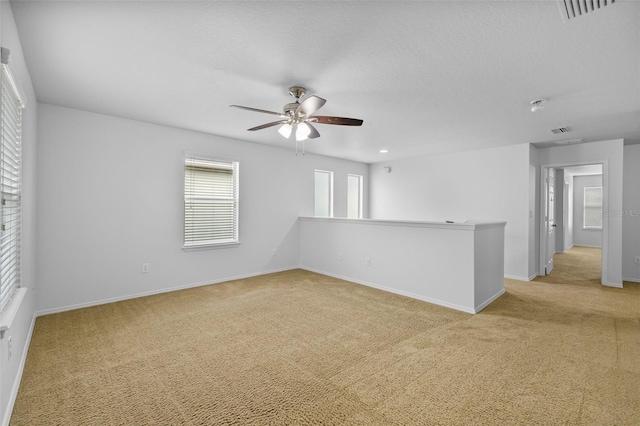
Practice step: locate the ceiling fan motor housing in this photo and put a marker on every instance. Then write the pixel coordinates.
(290, 108)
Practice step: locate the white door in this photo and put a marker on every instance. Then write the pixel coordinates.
(550, 223)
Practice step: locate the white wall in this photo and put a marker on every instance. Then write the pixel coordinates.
(581, 236)
(455, 265)
(534, 225)
(610, 152)
(631, 213)
(10, 368)
(569, 226)
(489, 184)
(110, 199)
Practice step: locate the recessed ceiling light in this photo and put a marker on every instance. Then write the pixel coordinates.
(384, 151)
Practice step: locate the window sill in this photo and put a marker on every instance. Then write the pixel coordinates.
(592, 228)
(211, 246)
(11, 309)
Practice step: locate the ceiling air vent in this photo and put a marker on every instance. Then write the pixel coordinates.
(573, 8)
(560, 130)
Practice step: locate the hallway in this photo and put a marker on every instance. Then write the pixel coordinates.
(577, 266)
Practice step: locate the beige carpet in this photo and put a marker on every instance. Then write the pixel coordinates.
(298, 348)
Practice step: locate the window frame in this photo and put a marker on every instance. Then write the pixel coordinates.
(329, 192)
(584, 209)
(235, 167)
(14, 244)
(360, 195)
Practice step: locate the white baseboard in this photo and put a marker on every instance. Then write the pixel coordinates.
(489, 301)
(16, 383)
(394, 291)
(515, 277)
(151, 293)
(633, 280)
(610, 284)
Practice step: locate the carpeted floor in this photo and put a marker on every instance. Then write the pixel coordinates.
(300, 348)
(578, 266)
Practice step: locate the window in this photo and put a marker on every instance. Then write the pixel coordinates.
(354, 196)
(323, 206)
(10, 186)
(210, 201)
(593, 207)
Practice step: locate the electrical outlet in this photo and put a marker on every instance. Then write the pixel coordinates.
(146, 268)
(274, 252)
(367, 261)
(340, 257)
(637, 261)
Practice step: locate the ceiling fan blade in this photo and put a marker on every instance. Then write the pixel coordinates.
(314, 132)
(342, 121)
(310, 105)
(279, 114)
(265, 126)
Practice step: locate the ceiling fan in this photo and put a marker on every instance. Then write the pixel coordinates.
(297, 117)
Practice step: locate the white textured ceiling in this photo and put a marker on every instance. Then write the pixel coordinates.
(426, 77)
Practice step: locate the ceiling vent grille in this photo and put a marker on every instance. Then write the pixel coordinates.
(573, 8)
(560, 130)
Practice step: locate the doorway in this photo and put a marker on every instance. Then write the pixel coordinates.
(573, 200)
(578, 266)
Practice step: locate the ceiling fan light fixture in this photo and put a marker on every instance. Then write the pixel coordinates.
(285, 130)
(302, 132)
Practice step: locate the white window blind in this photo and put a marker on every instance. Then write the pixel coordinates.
(10, 187)
(210, 201)
(593, 207)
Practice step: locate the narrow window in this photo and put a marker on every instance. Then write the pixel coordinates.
(593, 207)
(10, 186)
(210, 201)
(354, 196)
(323, 194)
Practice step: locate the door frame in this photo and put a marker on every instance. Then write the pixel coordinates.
(605, 207)
(549, 210)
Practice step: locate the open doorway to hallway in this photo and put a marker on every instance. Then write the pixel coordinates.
(573, 218)
(576, 266)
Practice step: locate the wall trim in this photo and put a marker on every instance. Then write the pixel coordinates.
(611, 284)
(489, 300)
(392, 290)
(16, 383)
(519, 278)
(468, 225)
(631, 280)
(165, 290)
